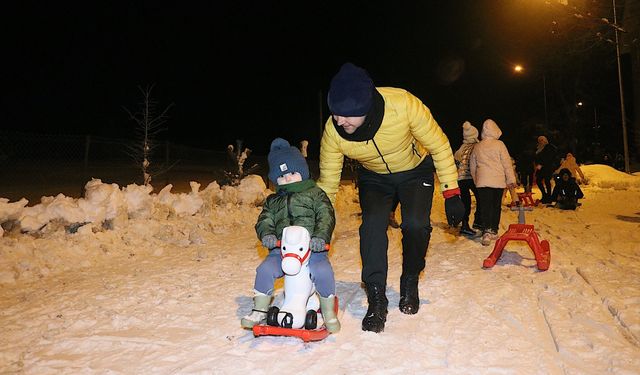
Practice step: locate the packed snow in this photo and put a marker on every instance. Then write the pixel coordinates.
(126, 281)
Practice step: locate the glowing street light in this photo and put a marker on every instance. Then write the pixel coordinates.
(519, 69)
(617, 29)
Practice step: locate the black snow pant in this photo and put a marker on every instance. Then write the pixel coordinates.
(544, 184)
(414, 191)
(489, 204)
(466, 188)
(567, 203)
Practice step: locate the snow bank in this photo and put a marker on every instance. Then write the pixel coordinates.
(62, 233)
(606, 177)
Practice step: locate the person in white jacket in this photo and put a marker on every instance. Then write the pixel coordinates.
(492, 172)
(465, 180)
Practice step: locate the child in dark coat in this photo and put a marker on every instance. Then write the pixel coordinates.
(566, 192)
(297, 201)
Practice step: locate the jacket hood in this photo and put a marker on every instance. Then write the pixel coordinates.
(490, 130)
(469, 133)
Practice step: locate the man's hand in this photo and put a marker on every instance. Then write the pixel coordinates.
(269, 241)
(317, 245)
(453, 207)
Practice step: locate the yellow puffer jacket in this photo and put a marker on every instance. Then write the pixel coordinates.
(408, 133)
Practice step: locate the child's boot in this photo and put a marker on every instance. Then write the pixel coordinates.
(258, 315)
(327, 305)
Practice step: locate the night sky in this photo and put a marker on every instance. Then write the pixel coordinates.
(255, 70)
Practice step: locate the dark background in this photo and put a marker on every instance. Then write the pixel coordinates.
(257, 70)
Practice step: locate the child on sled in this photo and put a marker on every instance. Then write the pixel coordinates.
(297, 201)
(566, 192)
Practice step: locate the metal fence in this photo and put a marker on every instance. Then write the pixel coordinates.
(33, 165)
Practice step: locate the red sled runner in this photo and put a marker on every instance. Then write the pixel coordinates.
(521, 232)
(306, 334)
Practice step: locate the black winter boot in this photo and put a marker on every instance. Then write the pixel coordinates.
(409, 300)
(377, 312)
(466, 229)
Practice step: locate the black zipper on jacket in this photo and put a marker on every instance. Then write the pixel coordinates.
(381, 157)
(415, 150)
(289, 209)
(288, 203)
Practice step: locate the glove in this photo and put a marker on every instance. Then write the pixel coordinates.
(453, 207)
(269, 241)
(317, 245)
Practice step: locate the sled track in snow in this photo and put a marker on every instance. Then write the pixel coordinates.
(613, 311)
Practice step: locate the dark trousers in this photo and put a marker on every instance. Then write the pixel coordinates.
(466, 188)
(414, 191)
(567, 203)
(544, 184)
(489, 202)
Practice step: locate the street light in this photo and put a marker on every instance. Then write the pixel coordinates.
(616, 29)
(520, 69)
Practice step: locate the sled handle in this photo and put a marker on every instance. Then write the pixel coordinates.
(519, 207)
(326, 246)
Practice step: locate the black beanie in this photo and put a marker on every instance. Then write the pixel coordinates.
(350, 92)
(284, 158)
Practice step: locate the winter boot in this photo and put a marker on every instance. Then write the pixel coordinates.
(409, 300)
(377, 312)
(488, 236)
(327, 305)
(258, 315)
(466, 229)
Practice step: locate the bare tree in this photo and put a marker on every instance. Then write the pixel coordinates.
(238, 156)
(149, 125)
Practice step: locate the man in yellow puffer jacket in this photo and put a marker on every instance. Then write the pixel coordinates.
(399, 145)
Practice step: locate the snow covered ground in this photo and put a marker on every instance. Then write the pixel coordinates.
(126, 282)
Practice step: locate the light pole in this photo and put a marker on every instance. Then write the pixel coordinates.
(520, 69)
(616, 29)
(625, 143)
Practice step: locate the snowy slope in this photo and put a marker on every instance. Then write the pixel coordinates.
(161, 287)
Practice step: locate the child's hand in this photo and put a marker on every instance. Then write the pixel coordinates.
(317, 245)
(269, 241)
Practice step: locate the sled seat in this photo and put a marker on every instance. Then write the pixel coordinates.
(521, 232)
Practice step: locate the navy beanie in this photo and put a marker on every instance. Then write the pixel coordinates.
(284, 158)
(350, 92)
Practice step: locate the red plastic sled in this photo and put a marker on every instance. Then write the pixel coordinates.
(526, 200)
(305, 334)
(522, 232)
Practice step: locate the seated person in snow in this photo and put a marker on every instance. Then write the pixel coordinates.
(297, 201)
(566, 192)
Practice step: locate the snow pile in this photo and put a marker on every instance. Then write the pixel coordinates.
(10, 211)
(606, 177)
(62, 233)
(107, 204)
